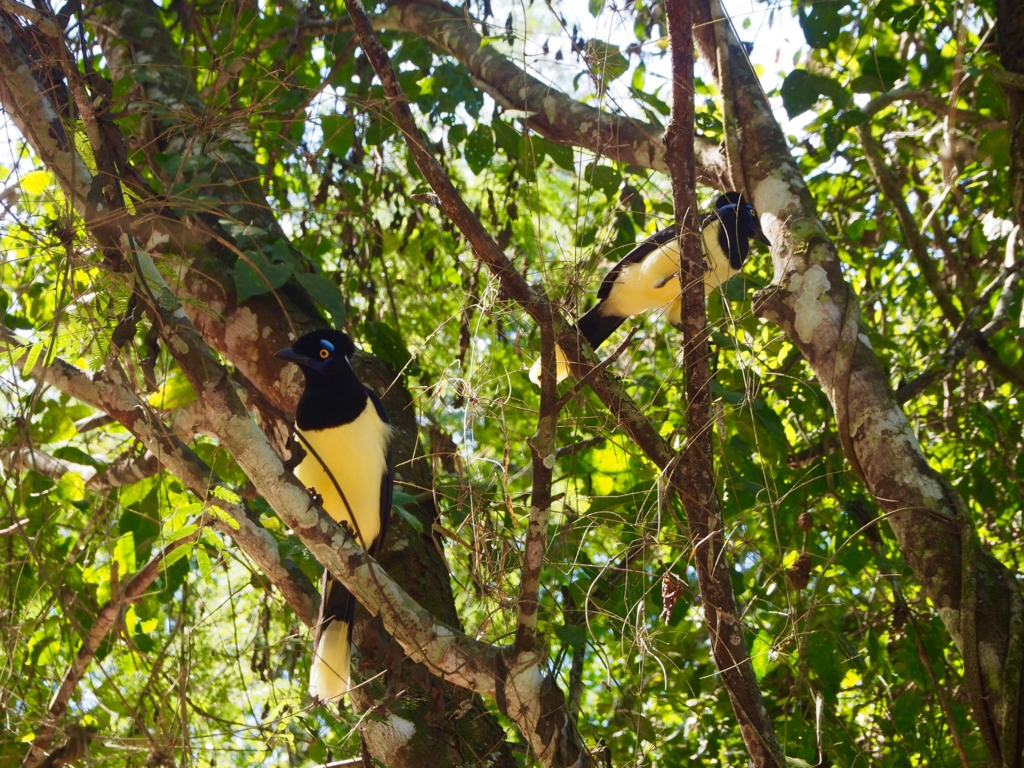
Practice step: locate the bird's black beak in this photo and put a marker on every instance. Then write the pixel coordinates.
(293, 357)
(760, 236)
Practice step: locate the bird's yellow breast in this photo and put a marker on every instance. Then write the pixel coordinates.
(653, 282)
(355, 455)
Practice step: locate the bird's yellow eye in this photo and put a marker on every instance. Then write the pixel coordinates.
(324, 354)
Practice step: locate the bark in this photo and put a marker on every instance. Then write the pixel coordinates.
(974, 595)
(1010, 37)
(695, 468)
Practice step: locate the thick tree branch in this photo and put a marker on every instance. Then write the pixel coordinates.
(125, 470)
(107, 392)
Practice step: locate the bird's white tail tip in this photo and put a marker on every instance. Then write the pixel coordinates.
(329, 674)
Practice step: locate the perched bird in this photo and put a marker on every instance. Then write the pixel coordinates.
(344, 430)
(648, 276)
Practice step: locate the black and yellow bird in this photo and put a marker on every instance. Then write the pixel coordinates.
(344, 430)
(648, 276)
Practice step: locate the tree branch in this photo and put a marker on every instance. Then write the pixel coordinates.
(542, 447)
(695, 468)
(931, 102)
(553, 114)
(890, 186)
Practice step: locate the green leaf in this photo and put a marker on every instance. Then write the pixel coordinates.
(605, 60)
(821, 25)
(143, 527)
(387, 344)
(851, 118)
(224, 494)
(479, 148)
(878, 73)
(604, 178)
(205, 566)
(124, 554)
(339, 133)
(802, 89)
(506, 137)
(71, 487)
(326, 294)
(457, 134)
(258, 273)
(833, 136)
(181, 533)
(36, 182)
(573, 636)
(595, 7)
(175, 555)
(906, 710)
(564, 157)
(33, 356)
(379, 131)
(825, 661)
(638, 77)
(212, 539)
(759, 651)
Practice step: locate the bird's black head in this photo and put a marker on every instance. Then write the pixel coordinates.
(739, 225)
(324, 352)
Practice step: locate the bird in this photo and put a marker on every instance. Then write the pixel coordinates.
(648, 276)
(348, 466)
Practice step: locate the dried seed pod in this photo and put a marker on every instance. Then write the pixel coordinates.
(671, 590)
(799, 573)
(805, 521)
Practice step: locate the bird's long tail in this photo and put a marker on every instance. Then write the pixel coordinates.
(332, 642)
(597, 327)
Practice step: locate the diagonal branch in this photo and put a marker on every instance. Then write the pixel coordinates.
(553, 114)
(890, 186)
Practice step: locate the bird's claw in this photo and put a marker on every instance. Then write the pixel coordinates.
(314, 498)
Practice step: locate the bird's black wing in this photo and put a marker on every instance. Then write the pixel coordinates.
(387, 481)
(595, 325)
(635, 256)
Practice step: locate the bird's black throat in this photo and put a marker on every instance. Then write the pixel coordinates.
(330, 401)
